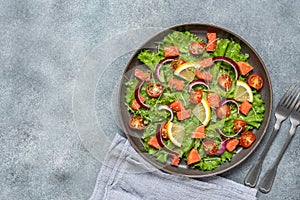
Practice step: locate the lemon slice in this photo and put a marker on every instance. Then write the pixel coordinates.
(243, 92)
(202, 112)
(187, 71)
(175, 133)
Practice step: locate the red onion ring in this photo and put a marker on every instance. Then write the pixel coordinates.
(165, 107)
(160, 141)
(222, 148)
(225, 101)
(137, 95)
(229, 61)
(158, 66)
(227, 136)
(197, 82)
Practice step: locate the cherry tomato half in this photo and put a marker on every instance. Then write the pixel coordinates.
(137, 122)
(195, 96)
(163, 131)
(239, 126)
(255, 81)
(197, 48)
(177, 62)
(223, 111)
(225, 81)
(247, 138)
(154, 89)
(210, 147)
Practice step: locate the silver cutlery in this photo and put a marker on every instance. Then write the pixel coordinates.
(266, 183)
(283, 110)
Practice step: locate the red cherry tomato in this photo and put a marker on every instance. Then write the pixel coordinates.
(225, 81)
(223, 111)
(255, 81)
(163, 131)
(239, 126)
(177, 62)
(247, 138)
(195, 96)
(197, 48)
(154, 89)
(210, 147)
(137, 122)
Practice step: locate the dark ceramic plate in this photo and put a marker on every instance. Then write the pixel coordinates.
(200, 30)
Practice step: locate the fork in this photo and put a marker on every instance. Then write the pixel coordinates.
(283, 110)
(267, 181)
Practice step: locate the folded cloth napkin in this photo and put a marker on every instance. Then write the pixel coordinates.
(126, 175)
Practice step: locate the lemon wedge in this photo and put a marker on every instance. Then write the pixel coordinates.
(187, 71)
(243, 92)
(202, 112)
(175, 133)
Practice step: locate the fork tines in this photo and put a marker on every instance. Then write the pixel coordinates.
(290, 97)
(297, 106)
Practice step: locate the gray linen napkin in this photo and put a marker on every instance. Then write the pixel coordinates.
(126, 175)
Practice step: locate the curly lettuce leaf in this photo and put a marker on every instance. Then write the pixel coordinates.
(230, 49)
(256, 115)
(212, 162)
(181, 40)
(151, 59)
(221, 47)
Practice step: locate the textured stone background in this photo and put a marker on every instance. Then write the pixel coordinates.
(42, 45)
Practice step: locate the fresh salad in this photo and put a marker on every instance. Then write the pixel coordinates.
(195, 100)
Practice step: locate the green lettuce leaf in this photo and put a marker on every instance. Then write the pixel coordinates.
(181, 40)
(151, 59)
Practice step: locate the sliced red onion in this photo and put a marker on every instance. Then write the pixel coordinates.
(227, 136)
(160, 141)
(225, 101)
(137, 95)
(229, 61)
(197, 82)
(158, 66)
(164, 107)
(222, 148)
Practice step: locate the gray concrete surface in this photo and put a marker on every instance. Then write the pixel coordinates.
(42, 46)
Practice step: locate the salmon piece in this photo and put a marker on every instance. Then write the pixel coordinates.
(184, 114)
(175, 160)
(135, 105)
(245, 107)
(143, 76)
(177, 105)
(171, 51)
(193, 156)
(232, 144)
(211, 41)
(153, 142)
(213, 99)
(206, 62)
(199, 132)
(244, 67)
(178, 84)
(204, 76)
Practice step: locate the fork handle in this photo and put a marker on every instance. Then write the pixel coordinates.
(267, 181)
(254, 172)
